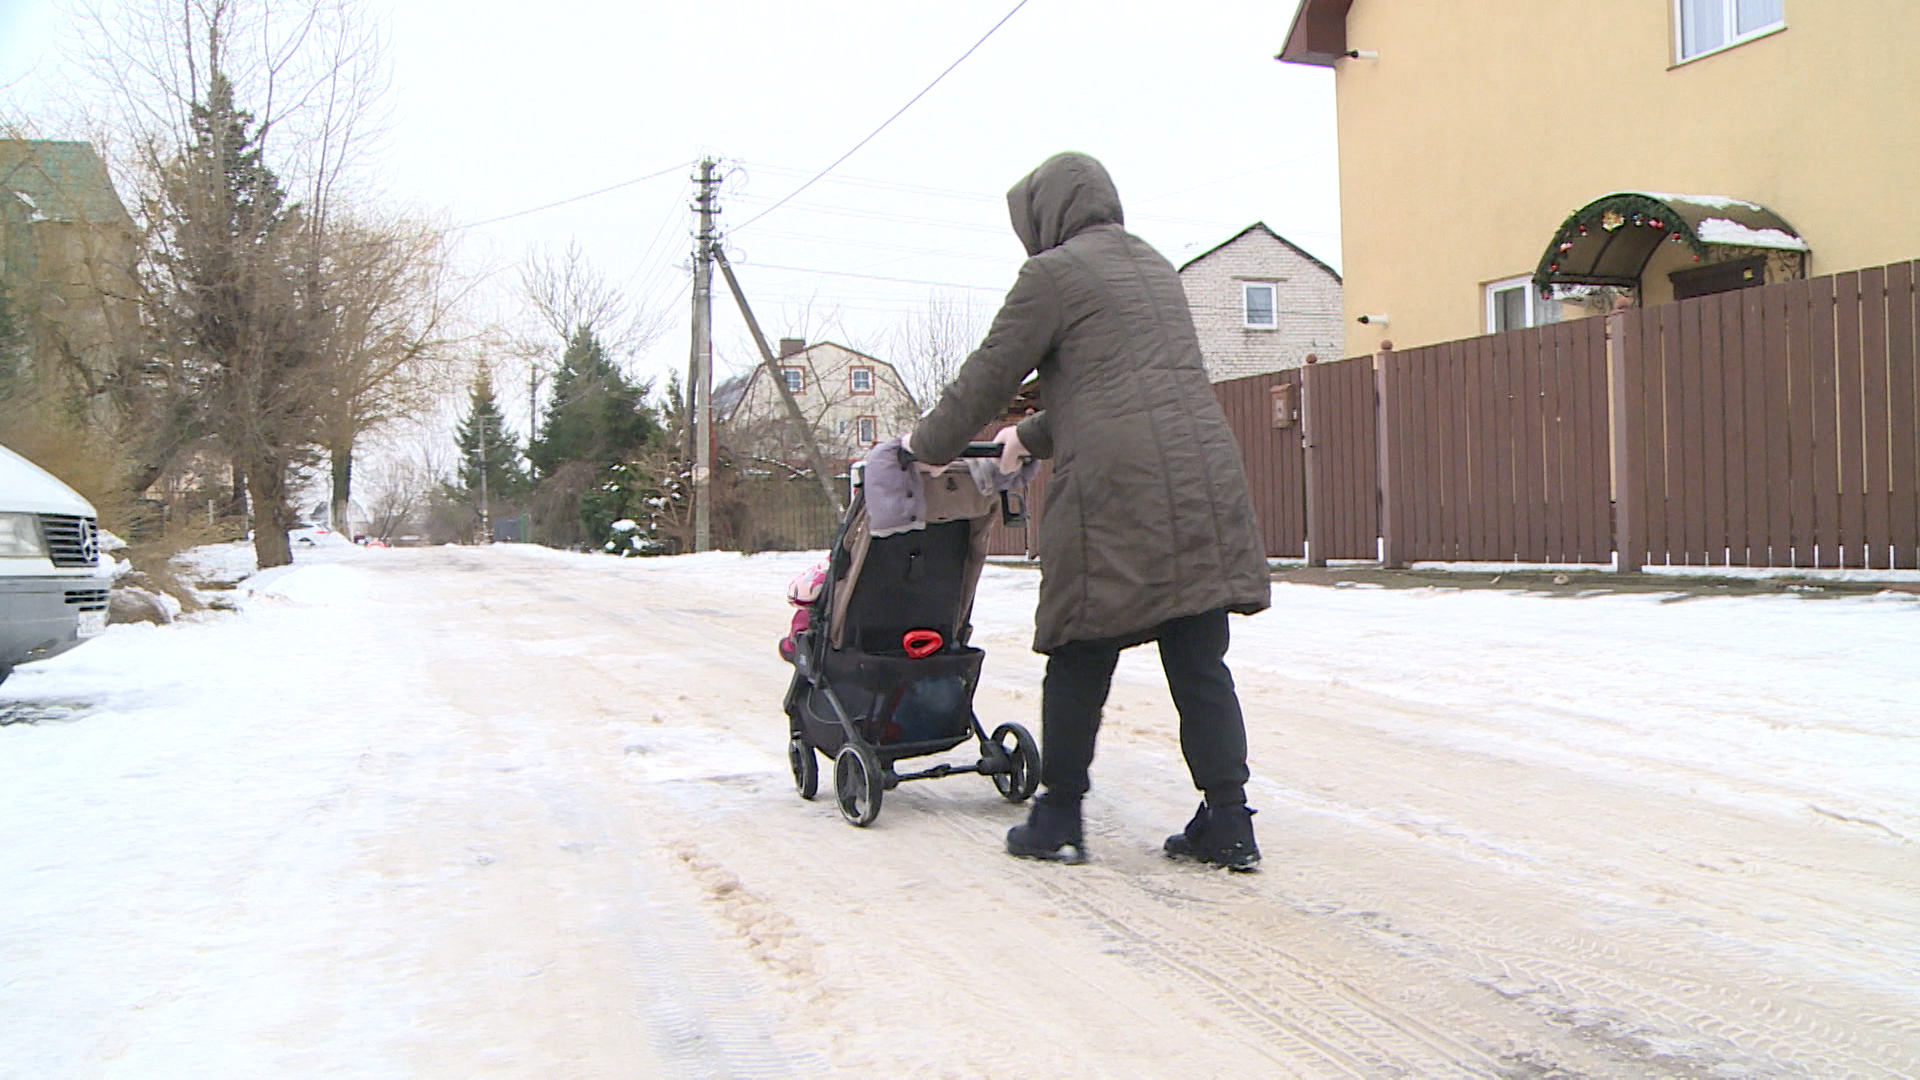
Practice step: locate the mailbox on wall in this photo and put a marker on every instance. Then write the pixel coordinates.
(1281, 395)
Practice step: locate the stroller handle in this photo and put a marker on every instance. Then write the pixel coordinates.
(975, 449)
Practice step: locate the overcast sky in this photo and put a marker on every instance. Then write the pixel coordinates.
(501, 106)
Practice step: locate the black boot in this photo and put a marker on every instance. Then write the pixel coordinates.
(1052, 832)
(1217, 836)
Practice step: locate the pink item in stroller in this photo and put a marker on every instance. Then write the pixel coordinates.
(802, 591)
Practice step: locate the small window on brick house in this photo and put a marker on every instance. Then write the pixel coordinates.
(861, 380)
(796, 379)
(1260, 313)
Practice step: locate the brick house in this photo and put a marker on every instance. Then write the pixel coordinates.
(1261, 304)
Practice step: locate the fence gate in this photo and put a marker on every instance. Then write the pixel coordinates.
(1496, 448)
(1264, 412)
(1340, 421)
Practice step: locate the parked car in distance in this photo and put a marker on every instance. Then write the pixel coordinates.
(53, 580)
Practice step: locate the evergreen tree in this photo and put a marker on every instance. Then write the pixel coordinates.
(488, 448)
(595, 416)
(232, 310)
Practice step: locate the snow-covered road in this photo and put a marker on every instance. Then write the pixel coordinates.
(512, 812)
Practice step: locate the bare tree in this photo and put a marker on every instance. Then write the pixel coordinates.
(929, 347)
(566, 294)
(389, 337)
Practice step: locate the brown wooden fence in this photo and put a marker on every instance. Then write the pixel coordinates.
(1496, 448)
(1772, 426)
(1776, 426)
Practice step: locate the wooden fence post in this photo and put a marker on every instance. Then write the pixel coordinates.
(1317, 523)
(1392, 555)
(1628, 481)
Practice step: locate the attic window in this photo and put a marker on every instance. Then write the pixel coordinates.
(1260, 314)
(1705, 26)
(796, 379)
(860, 380)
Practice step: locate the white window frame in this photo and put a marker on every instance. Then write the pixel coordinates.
(1534, 313)
(867, 430)
(793, 374)
(853, 380)
(1246, 309)
(1730, 23)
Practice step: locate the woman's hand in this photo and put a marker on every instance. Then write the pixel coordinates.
(906, 443)
(1012, 450)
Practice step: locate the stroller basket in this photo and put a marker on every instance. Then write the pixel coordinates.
(899, 701)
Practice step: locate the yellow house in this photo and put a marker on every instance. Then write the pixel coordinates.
(1507, 163)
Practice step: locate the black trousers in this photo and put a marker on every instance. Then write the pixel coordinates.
(1213, 734)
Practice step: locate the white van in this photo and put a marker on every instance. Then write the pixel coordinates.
(53, 581)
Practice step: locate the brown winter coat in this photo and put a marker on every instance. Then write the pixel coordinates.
(1147, 516)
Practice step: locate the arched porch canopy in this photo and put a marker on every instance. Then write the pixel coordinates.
(1610, 240)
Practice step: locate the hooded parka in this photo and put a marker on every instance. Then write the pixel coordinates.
(1147, 516)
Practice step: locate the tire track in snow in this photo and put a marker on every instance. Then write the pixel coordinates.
(1299, 1015)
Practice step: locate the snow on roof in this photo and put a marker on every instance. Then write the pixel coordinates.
(1710, 202)
(1722, 231)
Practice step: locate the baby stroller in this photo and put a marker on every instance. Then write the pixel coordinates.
(883, 671)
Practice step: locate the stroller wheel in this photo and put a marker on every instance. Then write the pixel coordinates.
(1022, 777)
(857, 785)
(806, 767)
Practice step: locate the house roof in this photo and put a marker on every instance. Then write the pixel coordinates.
(1319, 33)
(60, 181)
(1610, 240)
(1262, 226)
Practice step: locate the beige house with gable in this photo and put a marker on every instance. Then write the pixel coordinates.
(852, 400)
(1261, 304)
(67, 254)
(1623, 153)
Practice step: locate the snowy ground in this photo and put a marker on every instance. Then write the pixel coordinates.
(511, 812)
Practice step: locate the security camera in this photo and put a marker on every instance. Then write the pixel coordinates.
(1362, 54)
(1373, 320)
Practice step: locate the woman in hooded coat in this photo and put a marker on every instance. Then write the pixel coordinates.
(1147, 533)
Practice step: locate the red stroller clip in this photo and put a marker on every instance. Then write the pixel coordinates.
(922, 643)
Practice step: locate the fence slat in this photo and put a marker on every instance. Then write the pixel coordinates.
(1692, 477)
(1754, 390)
(1426, 468)
(1847, 445)
(1799, 313)
(1551, 548)
(1653, 439)
(1776, 307)
(1597, 534)
(1477, 539)
(1713, 465)
(1674, 436)
(1826, 418)
(1626, 385)
(1904, 501)
(1875, 420)
(1732, 447)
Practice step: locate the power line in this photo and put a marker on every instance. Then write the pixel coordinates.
(879, 277)
(575, 198)
(883, 126)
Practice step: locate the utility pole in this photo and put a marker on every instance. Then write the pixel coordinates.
(700, 422)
